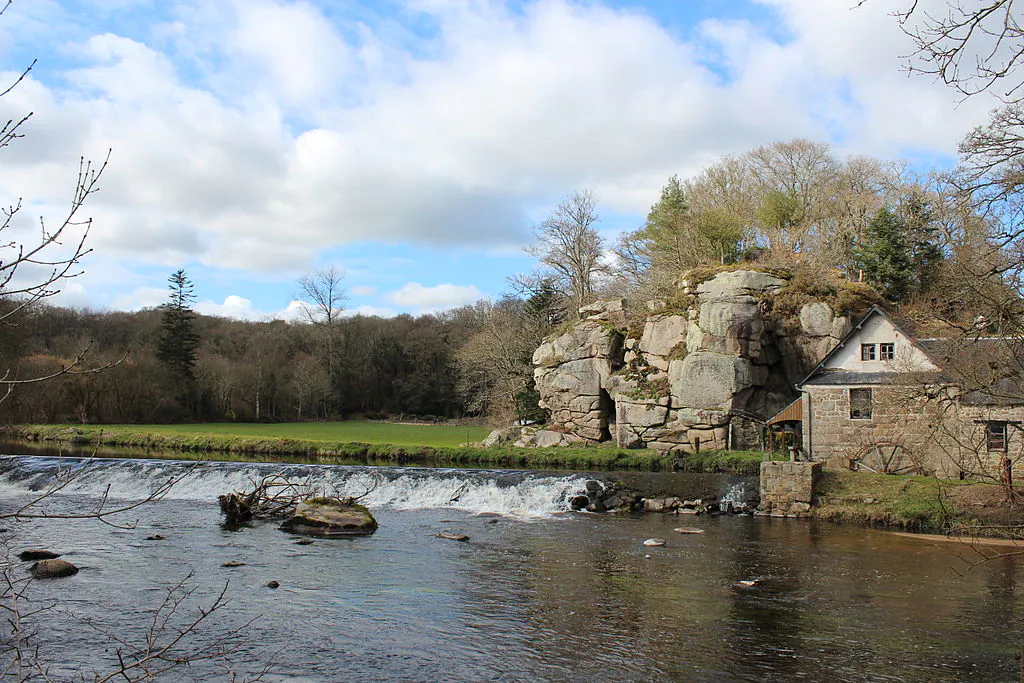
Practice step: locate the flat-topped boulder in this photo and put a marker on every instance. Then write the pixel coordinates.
(330, 517)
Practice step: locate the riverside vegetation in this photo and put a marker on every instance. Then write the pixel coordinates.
(381, 443)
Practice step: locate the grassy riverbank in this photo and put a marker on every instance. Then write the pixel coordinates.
(918, 504)
(370, 442)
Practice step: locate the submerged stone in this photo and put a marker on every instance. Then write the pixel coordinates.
(656, 542)
(330, 517)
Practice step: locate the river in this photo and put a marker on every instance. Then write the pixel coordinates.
(538, 593)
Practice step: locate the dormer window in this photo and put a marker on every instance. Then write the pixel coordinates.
(867, 352)
(887, 351)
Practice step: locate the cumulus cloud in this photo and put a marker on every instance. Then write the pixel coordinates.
(252, 134)
(436, 298)
(234, 306)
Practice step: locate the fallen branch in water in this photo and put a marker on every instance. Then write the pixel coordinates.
(274, 496)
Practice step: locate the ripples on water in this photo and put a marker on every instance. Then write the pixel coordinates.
(539, 593)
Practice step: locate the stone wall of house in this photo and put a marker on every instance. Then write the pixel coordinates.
(908, 433)
(685, 379)
(898, 437)
(787, 488)
(966, 438)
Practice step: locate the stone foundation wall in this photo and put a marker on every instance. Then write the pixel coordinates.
(787, 488)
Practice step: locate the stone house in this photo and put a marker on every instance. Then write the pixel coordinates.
(886, 401)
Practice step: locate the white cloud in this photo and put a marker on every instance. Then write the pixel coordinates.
(436, 298)
(72, 295)
(253, 134)
(364, 290)
(141, 297)
(234, 306)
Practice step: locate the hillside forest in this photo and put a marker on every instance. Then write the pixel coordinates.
(937, 254)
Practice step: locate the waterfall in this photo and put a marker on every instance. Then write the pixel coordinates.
(513, 493)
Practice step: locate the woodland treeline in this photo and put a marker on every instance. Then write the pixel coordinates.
(791, 206)
(244, 370)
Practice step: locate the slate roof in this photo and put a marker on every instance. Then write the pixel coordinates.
(834, 377)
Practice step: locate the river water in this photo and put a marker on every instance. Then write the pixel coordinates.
(538, 593)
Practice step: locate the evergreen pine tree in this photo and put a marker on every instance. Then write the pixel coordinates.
(926, 254)
(885, 256)
(178, 345)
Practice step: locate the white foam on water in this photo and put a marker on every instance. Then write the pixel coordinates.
(521, 494)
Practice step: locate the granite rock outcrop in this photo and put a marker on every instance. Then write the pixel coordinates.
(702, 374)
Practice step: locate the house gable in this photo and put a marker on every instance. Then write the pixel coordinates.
(873, 351)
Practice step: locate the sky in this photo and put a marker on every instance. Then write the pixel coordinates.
(414, 144)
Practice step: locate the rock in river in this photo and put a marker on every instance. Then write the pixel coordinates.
(655, 542)
(52, 569)
(30, 555)
(330, 517)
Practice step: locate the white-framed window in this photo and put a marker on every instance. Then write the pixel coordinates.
(860, 404)
(867, 352)
(887, 351)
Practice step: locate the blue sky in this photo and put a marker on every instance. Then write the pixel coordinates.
(415, 143)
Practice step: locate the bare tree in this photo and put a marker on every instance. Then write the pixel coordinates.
(322, 296)
(322, 299)
(495, 363)
(569, 248)
(973, 47)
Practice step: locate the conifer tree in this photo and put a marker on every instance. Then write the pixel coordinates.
(886, 255)
(178, 345)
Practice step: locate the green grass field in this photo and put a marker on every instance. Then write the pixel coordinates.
(354, 431)
(358, 441)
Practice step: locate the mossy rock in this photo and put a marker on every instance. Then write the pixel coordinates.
(330, 517)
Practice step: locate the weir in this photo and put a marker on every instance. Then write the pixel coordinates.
(514, 493)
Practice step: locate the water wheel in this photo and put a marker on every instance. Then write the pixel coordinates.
(884, 458)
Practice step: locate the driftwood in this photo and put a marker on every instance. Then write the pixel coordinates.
(272, 496)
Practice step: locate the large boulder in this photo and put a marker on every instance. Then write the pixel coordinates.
(739, 283)
(587, 339)
(502, 437)
(612, 310)
(52, 569)
(708, 380)
(816, 319)
(532, 437)
(661, 337)
(330, 517)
